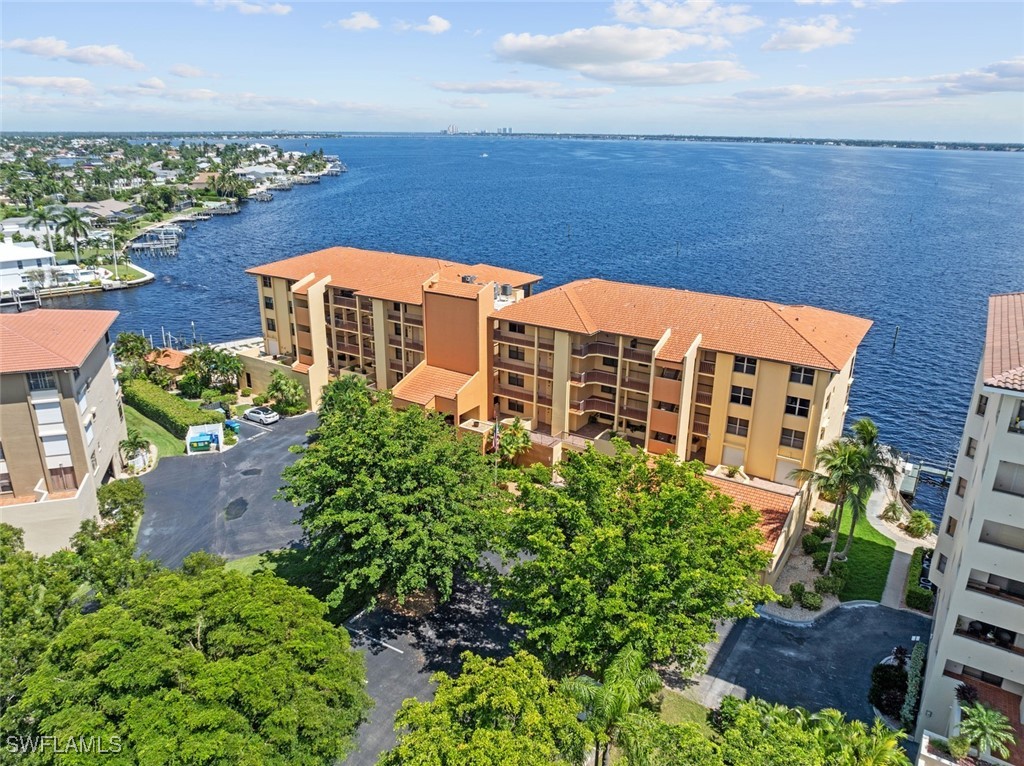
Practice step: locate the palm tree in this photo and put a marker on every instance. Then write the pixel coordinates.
(43, 216)
(72, 223)
(133, 445)
(879, 460)
(612, 707)
(841, 473)
(987, 729)
(513, 441)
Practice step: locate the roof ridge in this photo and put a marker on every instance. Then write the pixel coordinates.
(776, 308)
(580, 309)
(37, 345)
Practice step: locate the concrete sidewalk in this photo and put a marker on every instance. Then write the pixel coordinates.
(892, 596)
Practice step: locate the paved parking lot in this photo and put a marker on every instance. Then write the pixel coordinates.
(223, 503)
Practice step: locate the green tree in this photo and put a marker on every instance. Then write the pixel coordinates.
(764, 734)
(879, 462)
(72, 224)
(494, 713)
(987, 729)
(630, 551)
(347, 395)
(393, 500)
(133, 445)
(45, 217)
(614, 704)
(130, 347)
(288, 394)
(650, 741)
(218, 667)
(513, 441)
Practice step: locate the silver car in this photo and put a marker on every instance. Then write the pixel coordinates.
(263, 415)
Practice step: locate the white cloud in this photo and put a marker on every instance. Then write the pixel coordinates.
(667, 73)
(819, 2)
(595, 46)
(465, 103)
(247, 8)
(187, 71)
(95, 55)
(575, 94)
(809, 35)
(497, 86)
(435, 25)
(698, 15)
(153, 83)
(873, 4)
(71, 86)
(357, 22)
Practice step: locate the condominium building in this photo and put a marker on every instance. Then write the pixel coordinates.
(61, 421)
(978, 565)
(750, 387)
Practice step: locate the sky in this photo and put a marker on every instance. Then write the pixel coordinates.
(866, 69)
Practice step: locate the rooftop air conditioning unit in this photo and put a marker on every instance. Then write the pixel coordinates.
(469, 278)
(506, 290)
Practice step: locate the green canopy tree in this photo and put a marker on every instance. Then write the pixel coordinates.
(494, 713)
(43, 216)
(630, 551)
(218, 667)
(72, 224)
(513, 441)
(393, 501)
(879, 462)
(649, 741)
(288, 394)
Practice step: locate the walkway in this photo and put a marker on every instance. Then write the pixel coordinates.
(905, 545)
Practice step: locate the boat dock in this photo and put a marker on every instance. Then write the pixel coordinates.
(912, 474)
(20, 300)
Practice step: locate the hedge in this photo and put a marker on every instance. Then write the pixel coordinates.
(168, 410)
(914, 595)
(915, 671)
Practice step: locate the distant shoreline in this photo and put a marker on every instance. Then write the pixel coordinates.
(227, 135)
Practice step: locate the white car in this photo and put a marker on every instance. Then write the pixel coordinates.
(263, 415)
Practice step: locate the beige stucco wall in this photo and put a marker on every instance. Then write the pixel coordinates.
(260, 369)
(49, 525)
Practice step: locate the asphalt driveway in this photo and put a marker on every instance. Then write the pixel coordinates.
(827, 665)
(223, 503)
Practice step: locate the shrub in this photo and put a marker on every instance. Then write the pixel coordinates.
(820, 518)
(209, 395)
(190, 385)
(920, 525)
(259, 400)
(824, 531)
(811, 543)
(246, 391)
(724, 717)
(958, 747)
(811, 601)
(914, 595)
(820, 557)
(915, 668)
(841, 569)
(900, 655)
(893, 512)
(966, 694)
(229, 437)
(538, 473)
(888, 689)
(830, 585)
(786, 600)
(170, 411)
(731, 471)
(797, 589)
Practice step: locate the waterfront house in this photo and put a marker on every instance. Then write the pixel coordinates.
(61, 421)
(109, 212)
(23, 266)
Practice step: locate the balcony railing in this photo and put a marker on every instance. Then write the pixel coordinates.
(347, 302)
(593, 404)
(523, 368)
(708, 368)
(546, 345)
(594, 376)
(410, 344)
(637, 384)
(367, 328)
(644, 355)
(396, 365)
(633, 413)
(596, 347)
(415, 321)
(514, 338)
(703, 397)
(519, 394)
(995, 591)
(343, 324)
(347, 348)
(394, 316)
(701, 427)
(997, 634)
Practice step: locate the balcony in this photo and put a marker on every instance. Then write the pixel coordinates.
(519, 394)
(415, 321)
(594, 376)
(634, 413)
(995, 591)
(346, 302)
(637, 384)
(351, 349)
(707, 368)
(593, 404)
(396, 365)
(514, 338)
(703, 397)
(523, 368)
(645, 355)
(394, 316)
(1017, 420)
(343, 324)
(410, 344)
(992, 635)
(597, 347)
(701, 426)
(366, 328)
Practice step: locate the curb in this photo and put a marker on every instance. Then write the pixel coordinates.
(811, 623)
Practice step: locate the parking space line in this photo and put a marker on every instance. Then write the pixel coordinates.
(368, 637)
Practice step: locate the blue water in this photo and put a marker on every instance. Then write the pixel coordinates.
(910, 238)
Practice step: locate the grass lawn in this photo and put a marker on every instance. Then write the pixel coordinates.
(249, 564)
(167, 444)
(678, 708)
(869, 561)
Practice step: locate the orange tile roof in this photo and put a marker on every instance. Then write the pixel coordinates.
(1003, 362)
(170, 358)
(425, 382)
(802, 335)
(457, 289)
(774, 507)
(390, 276)
(50, 339)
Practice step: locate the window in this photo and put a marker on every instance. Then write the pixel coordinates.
(397, 306)
(666, 406)
(92, 459)
(62, 478)
(667, 438)
(609, 361)
(791, 438)
(972, 447)
(982, 404)
(291, 307)
(961, 486)
(271, 325)
(950, 526)
(797, 406)
(268, 302)
(514, 352)
(266, 281)
(516, 380)
(21, 264)
(516, 327)
(670, 374)
(737, 426)
(78, 373)
(607, 389)
(398, 329)
(942, 562)
(6, 487)
(741, 395)
(802, 375)
(41, 381)
(515, 406)
(745, 364)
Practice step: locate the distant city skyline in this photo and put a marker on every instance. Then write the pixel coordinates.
(866, 69)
